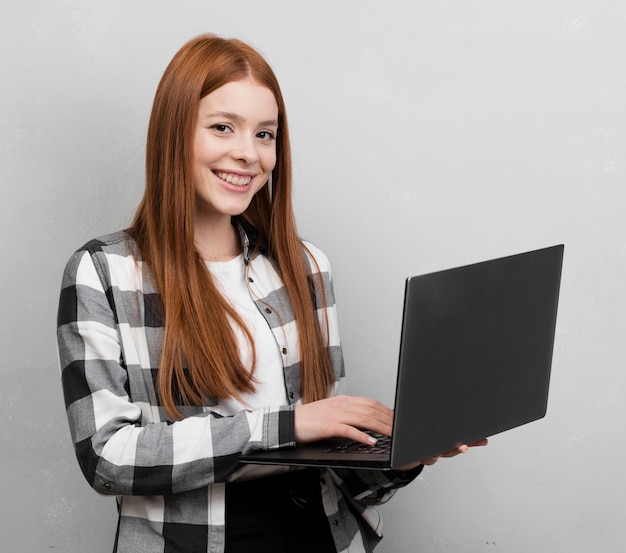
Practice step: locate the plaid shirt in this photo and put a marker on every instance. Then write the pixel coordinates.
(169, 476)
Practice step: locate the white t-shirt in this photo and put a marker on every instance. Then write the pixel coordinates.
(230, 277)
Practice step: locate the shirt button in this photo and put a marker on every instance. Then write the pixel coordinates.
(284, 350)
(290, 395)
(268, 310)
(250, 279)
(336, 522)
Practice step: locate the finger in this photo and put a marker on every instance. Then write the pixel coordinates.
(363, 437)
(363, 414)
(456, 451)
(430, 460)
(366, 407)
(350, 433)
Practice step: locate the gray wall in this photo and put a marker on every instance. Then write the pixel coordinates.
(425, 135)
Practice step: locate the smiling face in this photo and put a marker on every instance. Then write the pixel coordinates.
(234, 149)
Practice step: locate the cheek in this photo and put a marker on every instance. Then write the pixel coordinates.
(269, 161)
(205, 150)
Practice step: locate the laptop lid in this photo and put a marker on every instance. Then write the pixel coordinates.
(475, 360)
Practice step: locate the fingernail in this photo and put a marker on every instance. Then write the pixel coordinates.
(371, 440)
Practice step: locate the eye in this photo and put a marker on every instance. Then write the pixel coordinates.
(266, 135)
(221, 128)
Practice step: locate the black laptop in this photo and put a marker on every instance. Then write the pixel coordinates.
(475, 360)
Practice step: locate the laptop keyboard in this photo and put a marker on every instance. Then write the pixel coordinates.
(383, 445)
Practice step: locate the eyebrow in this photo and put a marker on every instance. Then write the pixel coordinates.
(240, 118)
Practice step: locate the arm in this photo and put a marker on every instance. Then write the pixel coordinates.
(122, 443)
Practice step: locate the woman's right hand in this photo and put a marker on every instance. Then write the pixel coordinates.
(342, 417)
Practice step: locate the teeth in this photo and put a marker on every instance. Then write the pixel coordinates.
(234, 179)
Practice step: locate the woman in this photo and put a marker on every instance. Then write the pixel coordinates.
(208, 329)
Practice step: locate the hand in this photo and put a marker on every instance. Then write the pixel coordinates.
(342, 417)
(452, 453)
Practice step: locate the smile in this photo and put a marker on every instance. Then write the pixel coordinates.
(237, 180)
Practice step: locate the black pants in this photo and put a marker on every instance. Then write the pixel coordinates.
(278, 514)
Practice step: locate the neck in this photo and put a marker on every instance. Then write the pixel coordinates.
(217, 240)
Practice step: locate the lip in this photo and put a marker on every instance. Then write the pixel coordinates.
(234, 180)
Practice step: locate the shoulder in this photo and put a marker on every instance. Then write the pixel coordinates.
(99, 255)
(120, 243)
(321, 262)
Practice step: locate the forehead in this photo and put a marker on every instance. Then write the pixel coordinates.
(246, 98)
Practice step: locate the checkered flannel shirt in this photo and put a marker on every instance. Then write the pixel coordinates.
(169, 476)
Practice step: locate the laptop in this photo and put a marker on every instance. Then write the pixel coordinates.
(475, 360)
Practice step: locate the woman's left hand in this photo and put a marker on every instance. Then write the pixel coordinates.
(452, 453)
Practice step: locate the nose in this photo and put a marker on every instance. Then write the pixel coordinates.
(245, 149)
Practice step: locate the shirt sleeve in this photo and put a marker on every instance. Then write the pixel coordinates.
(372, 487)
(119, 450)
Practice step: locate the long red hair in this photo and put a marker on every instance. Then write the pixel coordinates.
(200, 356)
